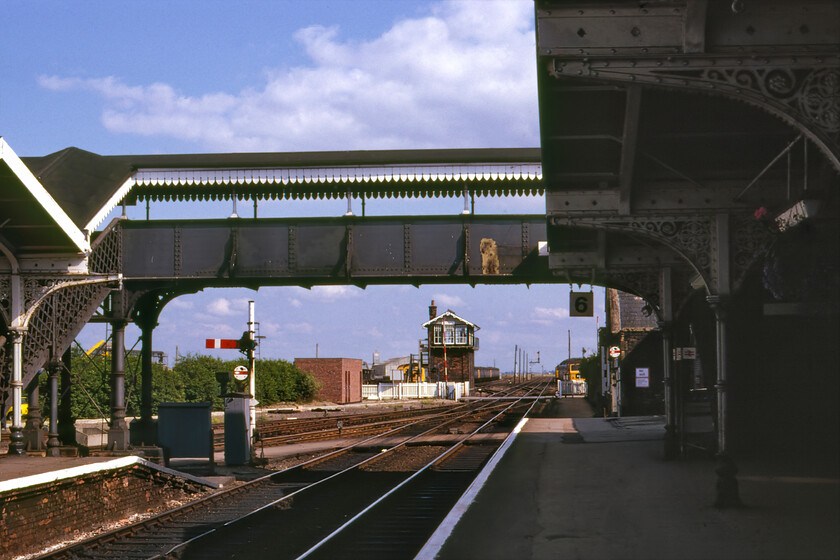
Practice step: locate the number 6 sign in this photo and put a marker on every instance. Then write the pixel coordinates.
(581, 304)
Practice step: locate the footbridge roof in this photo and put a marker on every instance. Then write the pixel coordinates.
(88, 186)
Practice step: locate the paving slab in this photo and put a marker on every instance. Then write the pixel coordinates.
(594, 488)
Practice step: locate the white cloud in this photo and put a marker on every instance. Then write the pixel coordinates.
(180, 303)
(324, 294)
(208, 328)
(549, 315)
(228, 307)
(270, 328)
(298, 328)
(447, 301)
(463, 76)
(374, 332)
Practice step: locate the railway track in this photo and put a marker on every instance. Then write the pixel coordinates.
(277, 432)
(392, 488)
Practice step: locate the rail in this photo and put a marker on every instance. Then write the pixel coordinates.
(215, 517)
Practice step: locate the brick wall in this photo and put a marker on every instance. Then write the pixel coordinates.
(334, 374)
(630, 339)
(461, 364)
(37, 516)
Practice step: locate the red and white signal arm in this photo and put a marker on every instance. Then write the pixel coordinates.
(221, 343)
(615, 351)
(240, 373)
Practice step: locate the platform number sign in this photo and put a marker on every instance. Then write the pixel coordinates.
(581, 304)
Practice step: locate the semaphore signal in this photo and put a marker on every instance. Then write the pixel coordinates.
(229, 343)
(244, 344)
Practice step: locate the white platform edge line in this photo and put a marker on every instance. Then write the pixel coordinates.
(432, 547)
(73, 472)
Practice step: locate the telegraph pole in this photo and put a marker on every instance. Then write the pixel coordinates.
(515, 354)
(445, 364)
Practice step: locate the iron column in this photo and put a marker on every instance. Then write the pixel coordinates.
(727, 493)
(16, 446)
(145, 432)
(53, 443)
(117, 432)
(667, 369)
(32, 432)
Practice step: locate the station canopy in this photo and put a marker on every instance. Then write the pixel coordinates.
(92, 185)
(33, 220)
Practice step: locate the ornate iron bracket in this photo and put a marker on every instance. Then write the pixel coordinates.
(690, 237)
(802, 89)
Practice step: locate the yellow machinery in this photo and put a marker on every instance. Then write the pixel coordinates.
(413, 373)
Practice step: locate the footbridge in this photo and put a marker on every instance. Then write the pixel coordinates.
(690, 153)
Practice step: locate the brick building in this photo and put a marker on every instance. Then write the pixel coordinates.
(452, 346)
(630, 318)
(340, 378)
(633, 326)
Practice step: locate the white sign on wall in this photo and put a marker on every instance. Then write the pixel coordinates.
(642, 377)
(685, 353)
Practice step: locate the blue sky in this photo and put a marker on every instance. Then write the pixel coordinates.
(272, 75)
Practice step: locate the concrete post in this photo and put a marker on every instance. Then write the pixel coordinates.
(118, 431)
(252, 366)
(727, 494)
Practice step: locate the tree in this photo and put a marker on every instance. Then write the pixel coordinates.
(198, 375)
(193, 379)
(590, 370)
(279, 380)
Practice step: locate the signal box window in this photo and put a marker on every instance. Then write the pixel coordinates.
(449, 335)
(461, 334)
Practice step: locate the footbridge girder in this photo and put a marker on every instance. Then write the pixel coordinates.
(346, 250)
(188, 255)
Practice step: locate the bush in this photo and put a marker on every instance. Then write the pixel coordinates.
(192, 379)
(279, 380)
(198, 375)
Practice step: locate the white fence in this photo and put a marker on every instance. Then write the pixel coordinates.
(382, 391)
(571, 388)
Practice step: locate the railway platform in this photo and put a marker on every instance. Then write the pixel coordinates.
(573, 486)
(594, 488)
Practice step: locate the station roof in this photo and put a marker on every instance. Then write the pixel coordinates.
(88, 186)
(32, 220)
(334, 174)
(449, 314)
